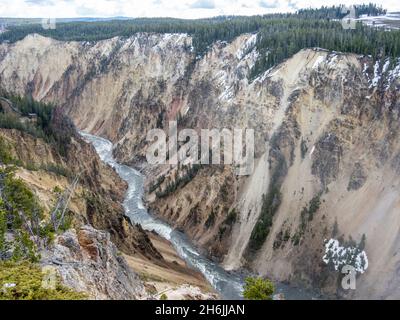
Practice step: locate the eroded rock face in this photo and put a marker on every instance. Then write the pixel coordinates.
(96, 200)
(326, 110)
(100, 193)
(327, 154)
(88, 261)
(357, 178)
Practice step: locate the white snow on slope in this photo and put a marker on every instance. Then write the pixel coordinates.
(340, 256)
(248, 45)
(394, 73)
(377, 75)
(387, 75)
(317, 62)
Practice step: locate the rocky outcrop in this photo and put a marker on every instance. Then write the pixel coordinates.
(101, 191)
(326, 131)
(90, 257)
(357, 178)
(88, 261)
(187, 292)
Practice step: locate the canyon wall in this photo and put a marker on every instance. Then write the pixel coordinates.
(326, 145)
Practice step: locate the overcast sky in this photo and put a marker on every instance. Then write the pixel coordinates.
(162, 8)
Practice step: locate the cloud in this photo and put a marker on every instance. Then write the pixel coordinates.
(86, 11)
(203, 4)
(40, 2)
(163, 8)
(292, 4)
(269, 4)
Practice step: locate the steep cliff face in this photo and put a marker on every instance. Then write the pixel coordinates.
(326, 145)
(88, 261)
(94, 254)
(338, 142)
(99, 194)
(121, 78)
(82, 255)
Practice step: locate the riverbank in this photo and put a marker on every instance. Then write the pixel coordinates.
(228, 285)
(184, 266)
(172, 276)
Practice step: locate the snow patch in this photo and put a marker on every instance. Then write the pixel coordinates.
(251, 58)
(340, 256)
(365, 70)
(227, 93)
(377, 75)
(317, 62)
(386, 66)
(332, 61)
(248, 45)
(394, 73)
(265, 75)
(383, 74)
(167, 36)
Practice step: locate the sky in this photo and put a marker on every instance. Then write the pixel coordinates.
(187, 9)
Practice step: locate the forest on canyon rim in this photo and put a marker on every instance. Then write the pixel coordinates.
(324, 103)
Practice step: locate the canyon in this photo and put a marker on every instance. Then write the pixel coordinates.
(102, 253)
(327, 153)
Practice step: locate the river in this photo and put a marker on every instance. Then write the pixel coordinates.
(228, 284)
